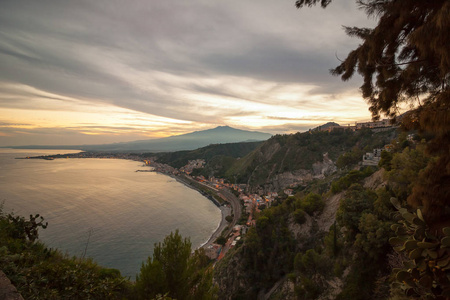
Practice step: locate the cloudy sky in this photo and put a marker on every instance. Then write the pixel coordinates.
(84, 72)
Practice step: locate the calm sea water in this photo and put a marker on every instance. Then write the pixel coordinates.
(121, 212)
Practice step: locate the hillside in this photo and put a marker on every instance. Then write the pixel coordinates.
(334, 239)
(297, 158)
(282, 160)
(209, 153)
(345, 234)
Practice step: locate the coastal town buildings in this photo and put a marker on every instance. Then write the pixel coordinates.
(378, 125)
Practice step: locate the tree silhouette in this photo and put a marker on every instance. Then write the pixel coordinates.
(405, 59)
(175, 272)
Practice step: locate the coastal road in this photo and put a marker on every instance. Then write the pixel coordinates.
(223, 223)
(235, 203)
(225, 194)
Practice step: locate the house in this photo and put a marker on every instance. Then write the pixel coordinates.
(372, 158)
(288, 192)
(213, 251)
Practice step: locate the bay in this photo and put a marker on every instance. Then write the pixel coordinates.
(103, 208)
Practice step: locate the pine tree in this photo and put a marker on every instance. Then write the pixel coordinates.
(406, 59)
(175, 272)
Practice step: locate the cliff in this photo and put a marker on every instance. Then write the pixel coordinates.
(297, 159)
(240, 275)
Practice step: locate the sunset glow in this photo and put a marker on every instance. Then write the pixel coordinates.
(98, 73)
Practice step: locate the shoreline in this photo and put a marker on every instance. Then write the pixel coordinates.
(222, 225)
(224, 209)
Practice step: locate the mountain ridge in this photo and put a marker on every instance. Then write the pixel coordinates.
(188, 141)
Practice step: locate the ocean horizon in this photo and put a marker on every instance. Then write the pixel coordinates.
(103, 208)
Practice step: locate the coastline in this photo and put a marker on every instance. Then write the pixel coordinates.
(223, 223)
(224, 209)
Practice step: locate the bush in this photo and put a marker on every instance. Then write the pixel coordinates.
(221, 240)
(300, 216)
(173, 271)
(311, 203)
(354, 176)
(42, 273)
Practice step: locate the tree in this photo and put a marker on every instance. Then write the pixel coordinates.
(221, 240)
(174, 272)
(356, 202)
(311, 203)
(406, 59)
(300, 216)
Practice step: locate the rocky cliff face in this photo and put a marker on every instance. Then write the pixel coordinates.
(278, 181)
(232, 276)
(296, 159)
(7, 290)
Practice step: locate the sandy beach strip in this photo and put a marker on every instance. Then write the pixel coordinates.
(224, 209)
(223, 223)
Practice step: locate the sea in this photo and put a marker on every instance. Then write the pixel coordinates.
(103, 208)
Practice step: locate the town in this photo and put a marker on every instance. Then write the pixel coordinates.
(239, 207)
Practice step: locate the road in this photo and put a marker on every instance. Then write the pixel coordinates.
(226, 195)
(235, 203)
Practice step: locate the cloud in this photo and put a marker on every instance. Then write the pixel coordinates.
(199, 61)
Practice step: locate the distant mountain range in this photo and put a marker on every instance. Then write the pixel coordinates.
(189, 141)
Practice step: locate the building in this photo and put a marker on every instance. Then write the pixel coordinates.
(213, 251)
(372, 158)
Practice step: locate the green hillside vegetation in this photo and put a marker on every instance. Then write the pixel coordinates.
(255, 163)
(175, 272)
(39, 272)
(288, 153)
(357, 245)
(209, 153)
(287, 246)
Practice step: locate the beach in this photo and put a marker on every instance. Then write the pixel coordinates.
(225, 211)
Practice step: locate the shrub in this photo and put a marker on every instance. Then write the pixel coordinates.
(300, 216)
(312, 203)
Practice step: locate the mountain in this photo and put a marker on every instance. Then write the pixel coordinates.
(189, 141)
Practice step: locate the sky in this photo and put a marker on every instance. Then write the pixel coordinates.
(92, 72)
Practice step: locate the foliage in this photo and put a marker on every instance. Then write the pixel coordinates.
(431, 192)
(354, 176)
(307, 289)
(405, 59)
(221, 240)
(385, 161)
(289, 153)
(42, 273)
(21, 228)
(178, 159)
(332, 241)
(426, 269)
(268, 249)
(357, 201)
(350, 158)
(311, 204)
(405, 168)
(400, 53)
(310, 265)
(373, 235)
(300, 216)
(173, 271)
